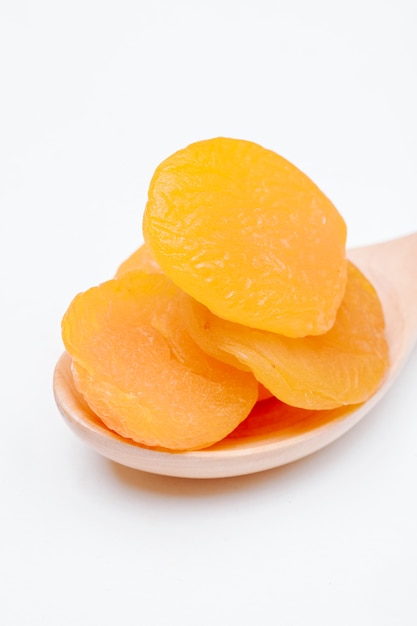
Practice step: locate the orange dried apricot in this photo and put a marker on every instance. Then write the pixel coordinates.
(346, 365)
(141, 373)
(250, 236)
(273, 417)
(140, 259)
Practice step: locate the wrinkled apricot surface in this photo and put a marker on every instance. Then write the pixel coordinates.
(141, 373)
(142, 259)
(346, 365)
(249, 235)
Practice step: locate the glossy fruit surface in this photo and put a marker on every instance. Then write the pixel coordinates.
(249, 235)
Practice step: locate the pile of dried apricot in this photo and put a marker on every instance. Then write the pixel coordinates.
(242, 291)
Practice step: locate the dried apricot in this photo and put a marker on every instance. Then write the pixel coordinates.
(346, 365)
(141, 373)
(273, 417)
(140, 259)
(249, 235)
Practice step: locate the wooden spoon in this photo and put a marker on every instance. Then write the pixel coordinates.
(392, 268)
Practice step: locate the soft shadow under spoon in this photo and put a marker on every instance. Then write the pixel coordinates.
(392, 268)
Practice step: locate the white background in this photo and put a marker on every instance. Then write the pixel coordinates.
(93, 95)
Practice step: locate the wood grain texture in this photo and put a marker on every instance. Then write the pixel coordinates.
(392, 268)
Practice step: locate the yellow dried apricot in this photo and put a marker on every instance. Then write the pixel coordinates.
(141, 373)
(346, 365)
(249, 235)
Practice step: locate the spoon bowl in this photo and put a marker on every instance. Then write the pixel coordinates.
(391, 266)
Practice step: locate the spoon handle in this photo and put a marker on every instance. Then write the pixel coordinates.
(392, 268)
